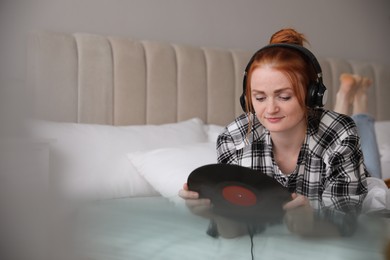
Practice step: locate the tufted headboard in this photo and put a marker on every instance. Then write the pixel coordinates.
(87, 78)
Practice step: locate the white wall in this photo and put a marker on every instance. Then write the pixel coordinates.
(354, 29)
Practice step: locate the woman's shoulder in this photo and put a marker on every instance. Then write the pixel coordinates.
(332, 120)
(241, 122)
(238, 130)
(332, 130)
(332, 125)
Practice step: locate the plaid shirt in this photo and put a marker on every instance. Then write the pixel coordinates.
(330, 171)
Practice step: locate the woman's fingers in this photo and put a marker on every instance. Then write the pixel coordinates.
(200, 207)
(297, 201)
(187, 194)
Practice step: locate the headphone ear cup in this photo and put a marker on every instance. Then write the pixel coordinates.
(316, 95)
(243, 95)
(311, 95)
(243, 101)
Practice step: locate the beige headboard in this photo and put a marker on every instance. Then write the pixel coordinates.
(88, 78)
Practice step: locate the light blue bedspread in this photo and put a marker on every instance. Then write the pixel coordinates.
(153, 228)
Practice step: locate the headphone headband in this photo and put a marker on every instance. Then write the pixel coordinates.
(308, 54)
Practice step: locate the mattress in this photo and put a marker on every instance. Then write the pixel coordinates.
(154, 228)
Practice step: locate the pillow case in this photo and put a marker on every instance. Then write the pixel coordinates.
(378, 195)
(213, 131)
(89, 161)
(382, 130)
(167, 169)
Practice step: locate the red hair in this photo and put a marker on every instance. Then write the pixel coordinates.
(289, 61)
(288, 35)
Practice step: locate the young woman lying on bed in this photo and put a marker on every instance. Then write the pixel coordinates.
(284, 133)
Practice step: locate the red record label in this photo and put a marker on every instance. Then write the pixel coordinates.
(239, 195)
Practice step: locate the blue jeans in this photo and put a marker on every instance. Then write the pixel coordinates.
(366, 129)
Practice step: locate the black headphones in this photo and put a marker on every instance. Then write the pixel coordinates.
(316, 92)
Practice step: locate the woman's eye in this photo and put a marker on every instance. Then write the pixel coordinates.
(259, 98)
(285, 98)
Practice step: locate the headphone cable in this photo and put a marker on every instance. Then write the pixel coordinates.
(251, 233)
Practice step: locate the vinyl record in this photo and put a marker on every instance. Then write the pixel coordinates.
(240, 193)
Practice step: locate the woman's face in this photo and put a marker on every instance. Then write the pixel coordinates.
(275, 102)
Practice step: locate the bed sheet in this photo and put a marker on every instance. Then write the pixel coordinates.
(154, 228)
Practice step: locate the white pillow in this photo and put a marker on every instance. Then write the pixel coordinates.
(377, 196)
(384, 151)
(382, 130)
(167, 169)
(89, 161)
(213, 131)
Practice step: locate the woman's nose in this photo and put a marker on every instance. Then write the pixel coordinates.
(272, 106)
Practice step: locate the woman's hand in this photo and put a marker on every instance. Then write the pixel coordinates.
(300, 220)
(200, 207)
(226, 228)
(299, 216)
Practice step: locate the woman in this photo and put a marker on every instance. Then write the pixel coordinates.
(313, 152)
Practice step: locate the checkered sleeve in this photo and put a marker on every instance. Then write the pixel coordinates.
(226, 151)
(345, 186)
(230, 142)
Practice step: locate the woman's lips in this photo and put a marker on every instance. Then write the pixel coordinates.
(274, 119)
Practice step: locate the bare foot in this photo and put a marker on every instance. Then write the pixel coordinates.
(360, 101)
(358, 80)
(347, 85)
(346, 93)
(366, 83)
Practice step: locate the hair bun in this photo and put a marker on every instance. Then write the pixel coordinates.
(288, 35)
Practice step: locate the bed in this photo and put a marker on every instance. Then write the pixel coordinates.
(127, 120)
